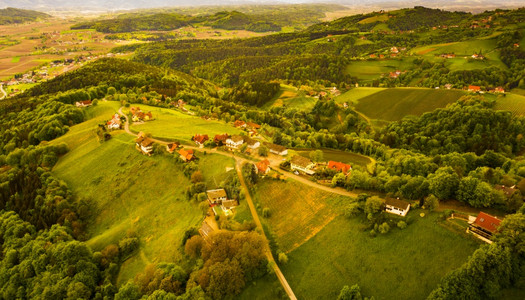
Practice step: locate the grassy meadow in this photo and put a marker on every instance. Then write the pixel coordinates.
(394, 104)
(367, 71)
(352, 96)
(171, 124)
(291, 97)
(297, 211)
(403, 264)
(131, 192)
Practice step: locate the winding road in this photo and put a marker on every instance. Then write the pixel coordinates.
(238, 163)
(3, 91)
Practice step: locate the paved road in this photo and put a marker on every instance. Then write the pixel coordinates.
(2, 89)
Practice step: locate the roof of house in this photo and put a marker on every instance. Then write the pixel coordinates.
(250, 141)
(221, 137)
(474, 87)
(146, 142)
(276, 148)
(214, 194)
(230, 203)
(263, 165)
(508, 191)
(487, 222)
(253, 125)
(172, 146)
(200, 138)
(301, 161)
(238, 123)
(85, 102)
(397, 203)
(237, 138)
(339, 166)
(188, 154)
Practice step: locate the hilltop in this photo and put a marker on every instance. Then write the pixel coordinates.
(14, 15)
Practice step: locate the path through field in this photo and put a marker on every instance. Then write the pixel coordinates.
(3, 92)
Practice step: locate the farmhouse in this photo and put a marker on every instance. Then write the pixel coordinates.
(499, 89)
(83, 103)
(339, 166)
(278, 149)
(114, 123)
(235, 142)
(220, 139)
(474, 88)
(216, 196)
(484, 226)
(239, 124)
(507, 191)
(394, 50)
(139, 115)
(478, 56)
(448, 55)
(253, 125)
(144, 144)
(263, 167)
(303, 164)
(171, 147)
(186, 155)
(252, 144)
(200, 139)
(396, 206)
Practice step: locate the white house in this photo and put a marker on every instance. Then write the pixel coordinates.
(303, 164)
(235, 142)
(397, 207)
(144, 144)
(216, 196)
(252, 144)
(278, 149)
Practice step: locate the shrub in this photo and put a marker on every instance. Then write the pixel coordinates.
(266, 212)
(384, 228)
(401, 224)
(283, 259)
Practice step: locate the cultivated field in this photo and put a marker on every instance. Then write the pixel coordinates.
(353, 95)
(367, 71)
(297, 211)
(512, 102)
(403, 264)
(394, 104)
(171, 124)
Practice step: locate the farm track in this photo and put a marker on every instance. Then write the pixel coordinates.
(3, 91)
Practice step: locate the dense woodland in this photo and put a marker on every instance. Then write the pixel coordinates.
(459, 152)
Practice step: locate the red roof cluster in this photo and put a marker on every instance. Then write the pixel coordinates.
(200, 138)
(339, 166)
(263, 166)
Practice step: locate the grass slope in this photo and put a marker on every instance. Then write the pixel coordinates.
(353, 95)
(291, 97)
(341, 156)
(297, 211)
(129, 191)
(367, 71)
(404, 264)
(171, 124)
(394, 104)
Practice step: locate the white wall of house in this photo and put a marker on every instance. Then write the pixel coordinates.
(306, 170)
(235, 145)
(396, 210)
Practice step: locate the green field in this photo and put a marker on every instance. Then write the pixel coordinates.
(297, 211)
(291, 97)
(341, 156)
(353, 95)
(171, 124)
(403, 264)
(394, 104)
(367, 71)
(15, 59)
(130, 191)
(511, 102)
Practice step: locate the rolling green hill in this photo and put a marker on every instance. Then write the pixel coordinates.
(394, 104)
(15, 15)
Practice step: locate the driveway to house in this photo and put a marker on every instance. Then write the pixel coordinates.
(3, 92)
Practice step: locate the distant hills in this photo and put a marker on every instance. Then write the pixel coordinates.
(14, 15)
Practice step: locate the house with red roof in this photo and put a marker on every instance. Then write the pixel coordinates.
(263, 167)
(339, 166)
(186, 155)
(220, 139)
(171, 147)
(484, 226)
(200, 139)
(114, 123)
(239, 124)
(474, 88)
(83, 103)
(499, 89)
